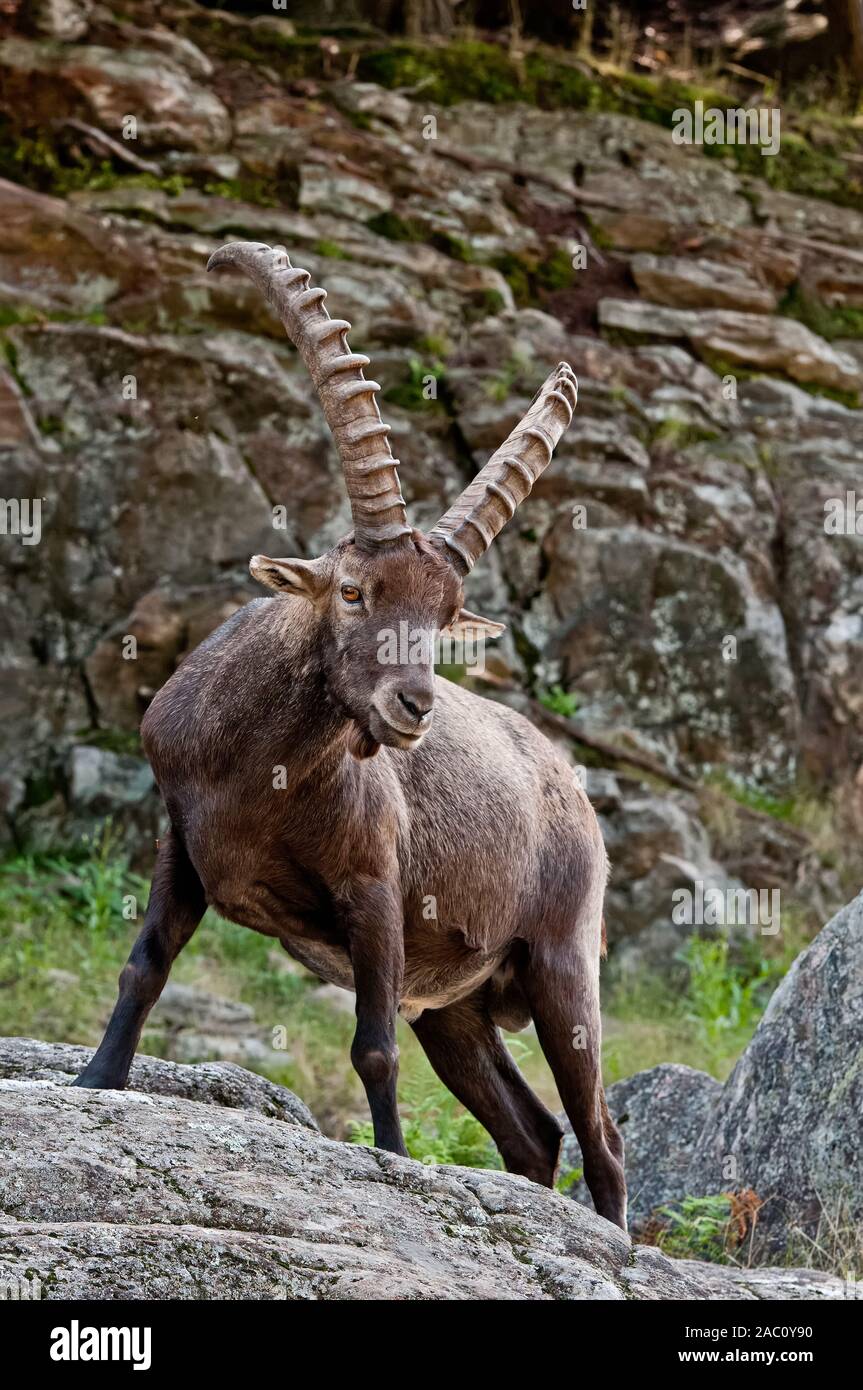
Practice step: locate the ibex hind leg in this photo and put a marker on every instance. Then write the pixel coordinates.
(466, 1050)
(562, 987)
(176, 906)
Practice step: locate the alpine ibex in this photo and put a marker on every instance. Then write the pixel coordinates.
(399, 788)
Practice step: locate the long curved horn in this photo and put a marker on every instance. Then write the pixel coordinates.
(488, 503)
(348, 400)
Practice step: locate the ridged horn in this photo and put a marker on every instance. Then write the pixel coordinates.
(347, 398)
(489, 502)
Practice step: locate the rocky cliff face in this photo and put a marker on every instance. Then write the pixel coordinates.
(672, 571)
(204, 1182)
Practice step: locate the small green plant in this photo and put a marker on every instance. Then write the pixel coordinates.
(567, 1181)
(434, 345)
(113, 740)
(56, 163)
(704, 1021)
(394, 227)
(501, 385)
(489, 303)
(50, 425)
(331, 250)
(674, 433)
(725, 997)
(696, 1228)
(436, 1128)
(780, 807)
(559, 701)
(828, 321)
(531, 276)
(258, 191)
(453, 246)
(93, 887)
(720, 1227)
(11, 314)
(415, 393)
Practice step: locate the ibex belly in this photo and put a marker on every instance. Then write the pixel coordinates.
(429, 992)
(433, 978)
(441, 966)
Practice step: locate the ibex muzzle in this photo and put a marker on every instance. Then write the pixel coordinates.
(397, 792)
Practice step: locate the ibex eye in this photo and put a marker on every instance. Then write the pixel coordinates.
(351, 594)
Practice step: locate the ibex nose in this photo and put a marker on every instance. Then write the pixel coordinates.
(418, 706)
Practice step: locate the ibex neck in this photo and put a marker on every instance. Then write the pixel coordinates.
(311, 724)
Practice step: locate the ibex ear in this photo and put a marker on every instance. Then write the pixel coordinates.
(301, 577)
(469, 626)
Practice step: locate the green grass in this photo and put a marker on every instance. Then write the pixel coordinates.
(836, 1244)
(65, 913)
(559, 701)
(11, 315)
(59, 914)
(64, 939)
(725, 997)
(67, 923)
(530, 277)
(412, 393)
(436, 1128)
(331, 250)
(40, 159)
(779, 807)
(828, 321)
(704, 1019)
(674, 433)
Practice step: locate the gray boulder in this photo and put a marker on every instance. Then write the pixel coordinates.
(193, 1024)
(660, 1113)
(110, 1194)
(99, 778)
(656, 845)
(211, 1083)
(637, 611)
(788, 1122)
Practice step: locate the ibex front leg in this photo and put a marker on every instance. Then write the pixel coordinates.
(176, 906)
(376, 936)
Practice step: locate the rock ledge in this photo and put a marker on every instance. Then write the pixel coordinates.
(156, 1195)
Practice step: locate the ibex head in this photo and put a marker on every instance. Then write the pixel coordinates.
(386, 578)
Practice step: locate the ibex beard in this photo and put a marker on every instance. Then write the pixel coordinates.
(397, 789)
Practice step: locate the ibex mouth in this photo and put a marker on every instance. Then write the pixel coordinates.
(393, 735)
(405, 737)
